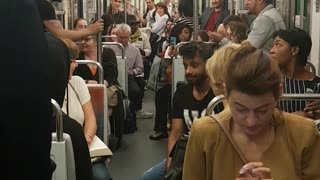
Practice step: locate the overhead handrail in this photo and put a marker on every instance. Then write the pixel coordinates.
(218, 99)
(100, 80)
(59, 119)
(115, 44)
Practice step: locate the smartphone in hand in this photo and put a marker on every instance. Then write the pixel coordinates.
(173, 41)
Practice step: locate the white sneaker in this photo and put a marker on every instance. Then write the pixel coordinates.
(141, 114)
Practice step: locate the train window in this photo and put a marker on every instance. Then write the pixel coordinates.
(317, 6)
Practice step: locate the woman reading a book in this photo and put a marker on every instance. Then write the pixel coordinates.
(77, 105)
(268, 144)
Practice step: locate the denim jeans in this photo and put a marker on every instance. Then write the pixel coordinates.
(157, 172)
(100, 171)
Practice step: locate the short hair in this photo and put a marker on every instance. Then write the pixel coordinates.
(72, 48)
(238, 29)
(231, 18)
(299, 38)
(177, 29)
(203, 35)
(123, 27)
(251, 71)
(196, 48)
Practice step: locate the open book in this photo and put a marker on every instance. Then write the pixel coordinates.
(98, 148)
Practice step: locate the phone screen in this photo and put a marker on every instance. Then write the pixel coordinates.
(173, 41)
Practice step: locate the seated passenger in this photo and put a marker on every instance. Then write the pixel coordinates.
(189, 102)
(264, 135)
(141, 41)
(90, 72)
(80, 24)
(136, 82)
(77, 105)
(236, 32)
(291, 49)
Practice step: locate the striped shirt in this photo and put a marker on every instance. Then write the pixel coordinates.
(293, 86)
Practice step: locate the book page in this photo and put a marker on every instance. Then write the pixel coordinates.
(99, 148)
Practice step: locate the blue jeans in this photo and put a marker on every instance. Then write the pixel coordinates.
(157, 172)
(100, 171)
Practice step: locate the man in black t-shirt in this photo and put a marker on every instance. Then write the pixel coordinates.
(189, 101)
(53, 25)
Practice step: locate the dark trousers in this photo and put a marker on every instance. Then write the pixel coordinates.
(147, 66)
(80, 147)
(163, 108)
(136, 91)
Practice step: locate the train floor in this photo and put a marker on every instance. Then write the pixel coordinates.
(137, 152)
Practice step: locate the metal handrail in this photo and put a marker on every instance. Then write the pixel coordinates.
(313, 68)
(59, 120)
(218, 99)
(84, 61)
(213, 103)
(115, 44)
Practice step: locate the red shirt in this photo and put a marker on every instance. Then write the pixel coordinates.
(212, 20)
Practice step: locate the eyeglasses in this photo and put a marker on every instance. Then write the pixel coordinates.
(123, 37)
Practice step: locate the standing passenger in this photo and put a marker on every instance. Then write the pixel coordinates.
(267, 22)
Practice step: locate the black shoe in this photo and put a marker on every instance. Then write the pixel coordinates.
(158, 136)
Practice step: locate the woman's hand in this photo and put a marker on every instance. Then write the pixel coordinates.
(89, 138)
(258, 172)
(312, 109)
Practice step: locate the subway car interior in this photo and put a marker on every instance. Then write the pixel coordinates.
(131, 84)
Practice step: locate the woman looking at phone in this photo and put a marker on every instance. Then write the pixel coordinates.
(277, 145)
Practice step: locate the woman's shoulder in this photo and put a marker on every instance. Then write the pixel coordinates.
(206, 126)
(300, 129)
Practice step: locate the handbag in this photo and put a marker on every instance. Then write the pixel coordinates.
(177, 154)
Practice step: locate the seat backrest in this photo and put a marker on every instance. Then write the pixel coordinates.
(123, 74)
(99, 100)
(62, 154)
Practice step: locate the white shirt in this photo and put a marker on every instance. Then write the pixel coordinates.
(76, 88)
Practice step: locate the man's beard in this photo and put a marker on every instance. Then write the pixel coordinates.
(198, 79)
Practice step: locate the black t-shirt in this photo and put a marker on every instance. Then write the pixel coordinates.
(186, 107)
(46, 10)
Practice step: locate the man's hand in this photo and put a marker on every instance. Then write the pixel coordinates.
(96, 27)
(215, 37)
(257, 170)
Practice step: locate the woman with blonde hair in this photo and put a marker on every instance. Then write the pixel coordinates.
(271, 144)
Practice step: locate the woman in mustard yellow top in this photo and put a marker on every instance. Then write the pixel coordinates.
(277, 145)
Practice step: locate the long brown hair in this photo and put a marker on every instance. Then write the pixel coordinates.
(252, 72)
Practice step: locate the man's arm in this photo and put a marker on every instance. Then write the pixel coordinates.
(55, 28)
(176, 132)
(260, 31)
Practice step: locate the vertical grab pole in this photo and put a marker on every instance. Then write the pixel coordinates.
(59, 119)
(99, 35)
(195, 20)
(125, 11)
